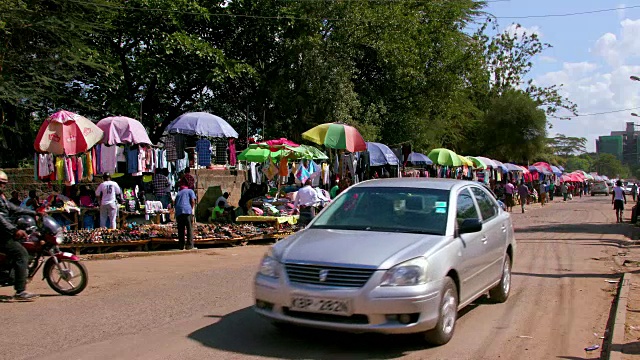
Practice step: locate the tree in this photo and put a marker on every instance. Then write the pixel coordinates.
(607, 164)
(563, 145)
(514, 128)
(574, 163)
(508, 57)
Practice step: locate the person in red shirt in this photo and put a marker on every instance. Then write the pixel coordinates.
(188, 179)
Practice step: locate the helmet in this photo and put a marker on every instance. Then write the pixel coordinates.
(50, 226)
(26, 222)
(3, 177)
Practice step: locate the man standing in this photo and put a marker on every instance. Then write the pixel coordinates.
(552, 190)
(306, 199)
(185, 204)
(523, 192)
(9, 236)
(565, 191)
(188, 179)
(543, 192)
(618, 200)
(509, 189)
(161, 188)
(107, 193)
(634, 191)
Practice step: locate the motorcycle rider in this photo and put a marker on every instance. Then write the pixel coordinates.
(9, 236)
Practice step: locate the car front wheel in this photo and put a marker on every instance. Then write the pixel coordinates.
(443, 332)
(500, 293)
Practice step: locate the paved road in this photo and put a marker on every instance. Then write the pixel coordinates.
(196, 306)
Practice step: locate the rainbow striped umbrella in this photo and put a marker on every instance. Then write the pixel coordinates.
(336, 136)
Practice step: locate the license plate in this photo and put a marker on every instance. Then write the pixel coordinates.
(321, 305)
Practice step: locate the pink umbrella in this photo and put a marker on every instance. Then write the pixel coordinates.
(280, 142)
(67, 133)
(123, 130)
(544, 165)
(565, 178)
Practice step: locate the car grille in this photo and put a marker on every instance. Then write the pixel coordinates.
(331, 275)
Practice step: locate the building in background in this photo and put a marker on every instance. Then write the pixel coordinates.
(624, 145)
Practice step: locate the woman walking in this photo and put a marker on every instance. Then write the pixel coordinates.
(618, 199)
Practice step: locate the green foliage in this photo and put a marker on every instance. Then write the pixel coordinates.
(514, 128)
(563, 145)
(574, 163)
(607, 164)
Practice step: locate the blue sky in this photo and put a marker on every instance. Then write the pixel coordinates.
(593, 55)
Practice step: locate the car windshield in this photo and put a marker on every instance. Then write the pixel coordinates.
(401, 209)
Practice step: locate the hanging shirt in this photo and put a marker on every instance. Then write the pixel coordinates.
(170, 146)
(132, 161)
(232, 152)
(108, 159)
(181, 164)
(120, 154)
(203, 149)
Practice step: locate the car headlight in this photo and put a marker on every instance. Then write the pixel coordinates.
(269, 266)
(408, 273)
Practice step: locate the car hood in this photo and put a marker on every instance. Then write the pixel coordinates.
(365, 248)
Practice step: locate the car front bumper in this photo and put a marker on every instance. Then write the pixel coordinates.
(373, 308)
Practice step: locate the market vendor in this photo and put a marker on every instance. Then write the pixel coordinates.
(161, 188)
(224, 200)
(306, 200)
(219, 213)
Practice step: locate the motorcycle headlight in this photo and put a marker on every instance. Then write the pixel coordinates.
(269, 266)
(59, 237)
(408, 273)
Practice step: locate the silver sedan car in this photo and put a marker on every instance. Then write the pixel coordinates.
(391, 256)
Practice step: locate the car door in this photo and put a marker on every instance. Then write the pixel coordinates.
(494, 235)
(472, 247)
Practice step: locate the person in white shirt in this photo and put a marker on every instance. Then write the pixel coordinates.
(107, 193)
(225, 200)
(306, 199)
(618, 199)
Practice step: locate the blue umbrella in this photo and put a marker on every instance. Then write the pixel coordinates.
(417, 158)
(201, 124)
(540, 170)
(512, 167)
(556, 170)
(380, 154)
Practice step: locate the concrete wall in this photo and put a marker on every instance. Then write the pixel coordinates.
(210, 184)
(23, 181)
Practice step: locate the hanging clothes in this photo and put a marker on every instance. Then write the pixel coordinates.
(132, 160)
(182, 164)
(108, 159)
(203, 149)
(233, 158)
(170, 146)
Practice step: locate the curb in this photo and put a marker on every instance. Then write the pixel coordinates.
(615, 342)
(124, 255)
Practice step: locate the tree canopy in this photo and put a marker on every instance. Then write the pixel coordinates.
(401, 72)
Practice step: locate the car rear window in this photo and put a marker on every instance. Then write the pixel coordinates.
(401, 209)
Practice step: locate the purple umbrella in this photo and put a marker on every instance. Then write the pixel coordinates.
(201, 124)
(123, 130)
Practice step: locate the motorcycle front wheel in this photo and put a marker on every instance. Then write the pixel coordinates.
(70, 278)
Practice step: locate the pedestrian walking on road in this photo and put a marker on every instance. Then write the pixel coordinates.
(565, 191)
(543, 193)
(634, 191)
(552, 190)
(509, 190)
(523, 192)
(618, 199)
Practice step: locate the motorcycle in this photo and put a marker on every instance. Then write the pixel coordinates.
(63, 271)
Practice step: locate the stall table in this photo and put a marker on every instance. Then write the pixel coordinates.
(72, 217)
(76, 248)
(276, 220)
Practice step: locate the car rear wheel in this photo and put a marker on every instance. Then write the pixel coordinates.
(500, 293)
(443, 332)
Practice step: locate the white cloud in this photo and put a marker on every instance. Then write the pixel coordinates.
(548, 59)
(601, 85)
(515, 29)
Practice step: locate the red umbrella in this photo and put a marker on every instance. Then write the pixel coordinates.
(544, 165)
(565, 178)
(67, 133)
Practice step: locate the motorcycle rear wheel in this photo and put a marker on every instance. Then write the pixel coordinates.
(63, 282)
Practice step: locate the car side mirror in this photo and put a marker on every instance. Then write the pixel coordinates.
(470, 226)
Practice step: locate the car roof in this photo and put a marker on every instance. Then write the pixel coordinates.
(428, 183)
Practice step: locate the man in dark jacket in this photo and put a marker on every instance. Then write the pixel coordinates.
(9, 236)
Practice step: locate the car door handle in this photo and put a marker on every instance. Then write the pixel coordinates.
(504, 228)
(484, 239)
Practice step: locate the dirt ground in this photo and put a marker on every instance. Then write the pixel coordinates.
(196, 306)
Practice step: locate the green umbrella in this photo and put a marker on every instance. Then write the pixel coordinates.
(479, 164)
(312, 153)
(444, 157)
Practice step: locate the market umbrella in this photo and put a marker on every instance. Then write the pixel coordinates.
(281, 141)
(479, 164)
(380, 154)
(336, 136)
(543, 165)
(418, 158)
(487, 161)
(541, 170)
(67, 133)
(123, 130)
(201, 124)
(501, 166)
(311, 152)
(586, 175)
(465, 161)
(556, 170)
(512, 167)
(565, 178)
(444, 157)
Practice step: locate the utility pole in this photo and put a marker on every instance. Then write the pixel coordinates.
(247, 125)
